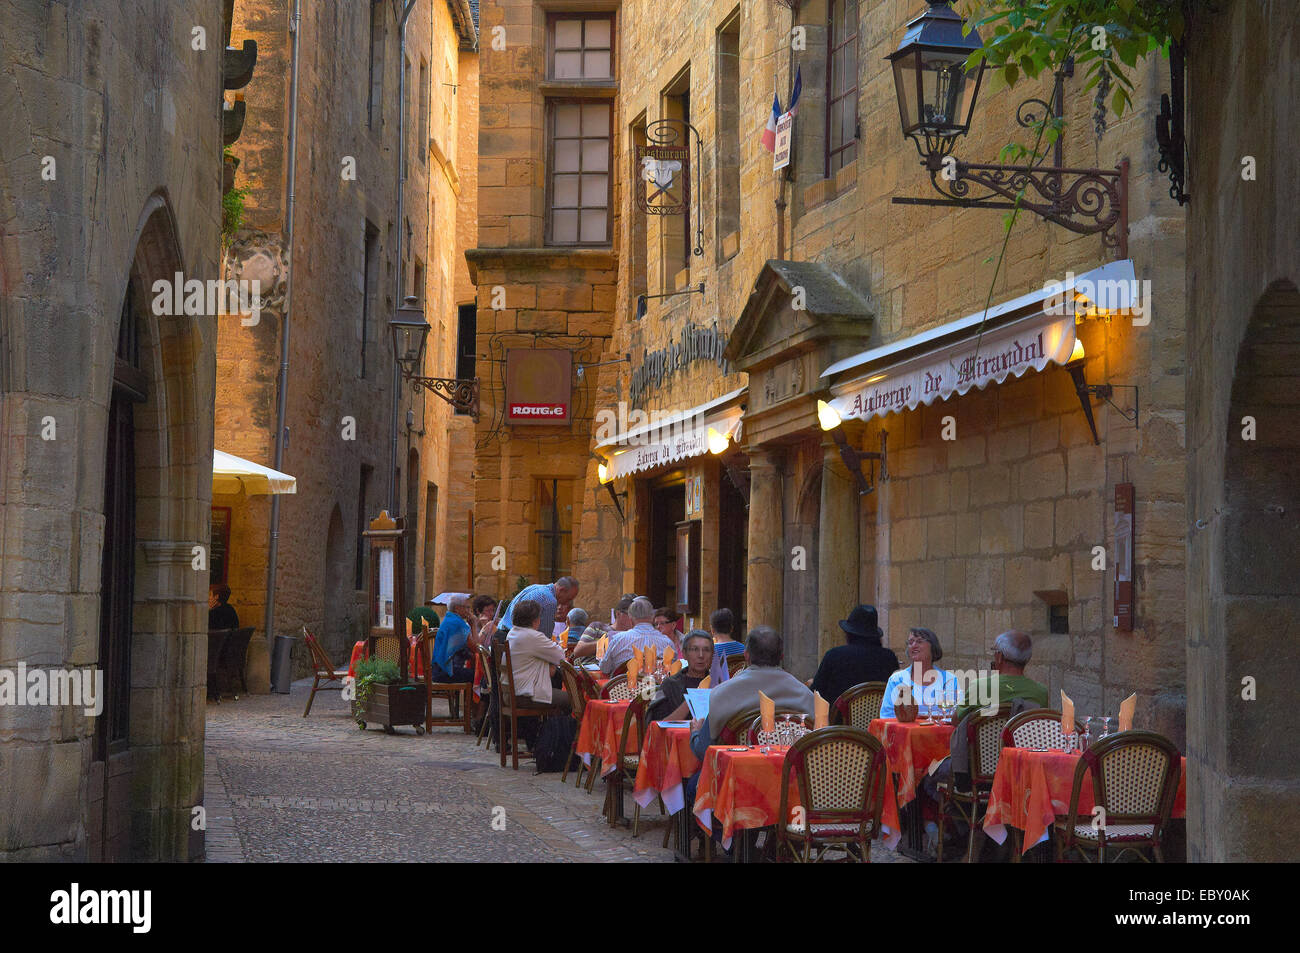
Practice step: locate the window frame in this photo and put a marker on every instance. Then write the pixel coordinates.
(852, 89)
(553, 18)
(551, 103)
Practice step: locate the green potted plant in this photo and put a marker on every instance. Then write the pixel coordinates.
(382, 696)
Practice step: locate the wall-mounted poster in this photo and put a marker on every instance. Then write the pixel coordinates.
(694, 497)
(218, 563)
(688, 566)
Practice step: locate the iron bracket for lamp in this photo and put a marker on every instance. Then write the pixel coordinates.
(642, 299)
(582, 368)
(737, 479)
(1085, 391)
(613, 495)
(854, 458)
(460, 392)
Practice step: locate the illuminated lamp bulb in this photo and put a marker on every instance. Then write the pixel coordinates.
(1077, 353)
(827, 416)
(717, 442)
(602, 472)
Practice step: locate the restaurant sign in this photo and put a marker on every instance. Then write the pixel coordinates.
(976, 361)
(676, 444)
(694, 343)
(539, 385)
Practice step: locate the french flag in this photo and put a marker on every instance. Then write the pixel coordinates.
(769, 134)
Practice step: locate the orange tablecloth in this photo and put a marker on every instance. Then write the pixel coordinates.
(1032, 788)
(741, 789)
(359, 653)
(910, 749)
(666, 760)
(602, 721)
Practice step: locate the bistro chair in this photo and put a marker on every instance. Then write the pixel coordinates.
(984, 736)
(735, 663)
(859, 706)
(509, 706)
(1134, 781)
(216, 639)
(755, 735)
(840, 776)
(1037, 729)
(632, 735)
(736, 730)
(579, 693)
(617, 689)
(324, 670)
(485, 657)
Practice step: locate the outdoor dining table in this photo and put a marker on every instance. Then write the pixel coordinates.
(1032, 788)
(910, 749)
(741, 787)
(666, 761)
(602, 722)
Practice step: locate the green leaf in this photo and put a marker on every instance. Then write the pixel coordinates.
(1010, 74)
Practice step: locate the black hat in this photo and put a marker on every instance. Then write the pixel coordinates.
(862, 623)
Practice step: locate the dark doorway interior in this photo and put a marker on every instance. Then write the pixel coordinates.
(733, 554)
(667, 509)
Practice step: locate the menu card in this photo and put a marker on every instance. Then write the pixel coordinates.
(821, 711)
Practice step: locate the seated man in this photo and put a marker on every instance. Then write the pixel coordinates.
(452, 661)
(764, 652)
(534, 658)
(669, 703)
(720, 624)
(623, 645)
(860, 659)
(575, 624)
(622, 622)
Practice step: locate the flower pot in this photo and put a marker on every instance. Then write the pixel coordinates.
(396, 704)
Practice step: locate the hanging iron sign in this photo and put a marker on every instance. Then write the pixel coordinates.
(665, 176)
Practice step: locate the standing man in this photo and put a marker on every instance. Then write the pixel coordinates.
(549, 598)
(221, 614)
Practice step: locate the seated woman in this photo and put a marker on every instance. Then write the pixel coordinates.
(452, 658)
(924, 683)
(534, 658)
(669, 703)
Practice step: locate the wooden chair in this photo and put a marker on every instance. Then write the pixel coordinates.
(459, 695)
(617, 689)
(233, 650)
(859, 706)
(754, 734)
(984, 735)
(736, 730)
(580, 694)
(840, 776)
(508, 704)
(324, 670)
(216, 639)
(486, 658)
(1134, 781)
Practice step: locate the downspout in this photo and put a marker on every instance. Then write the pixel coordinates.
(282, 385)
(401, 230)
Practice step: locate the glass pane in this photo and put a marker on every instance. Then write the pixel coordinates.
(566, 119)
(566, 192)
(595, 155)
(851, 64)
(568, 65)
(595, 191)
(837, 74)
(564, 226)
(568, 34)
(849, 119)
(566, 155)
(595, 120)
(837, 110)
(597, 34)
(595, 65)
(593, 225)
(384, 614)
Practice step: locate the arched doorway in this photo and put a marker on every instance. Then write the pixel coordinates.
(1257, 585)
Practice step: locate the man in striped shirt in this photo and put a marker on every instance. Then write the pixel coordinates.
(551, 597)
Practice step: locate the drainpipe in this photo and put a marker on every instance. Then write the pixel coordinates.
(401, 231)
(282, 385)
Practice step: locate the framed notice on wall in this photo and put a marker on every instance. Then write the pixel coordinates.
(688, 567)
(218, 563)
(1124, 557)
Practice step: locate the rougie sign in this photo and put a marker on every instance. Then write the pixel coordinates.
(539, 386)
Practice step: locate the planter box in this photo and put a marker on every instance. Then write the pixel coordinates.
(391, 705)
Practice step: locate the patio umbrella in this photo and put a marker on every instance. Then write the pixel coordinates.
(230, 472)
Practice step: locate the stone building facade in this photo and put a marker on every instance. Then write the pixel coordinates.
(105, 418)
(350, 278)
(1243, 443)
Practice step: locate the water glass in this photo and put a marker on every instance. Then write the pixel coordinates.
(1105, 726)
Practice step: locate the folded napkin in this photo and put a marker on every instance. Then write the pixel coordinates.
(1067, 714)
(668, 656)
(821, 711)
(1126, 709)
(648, 657)
(676, 667)
(767, 708)
(633, 671)
(705, 683)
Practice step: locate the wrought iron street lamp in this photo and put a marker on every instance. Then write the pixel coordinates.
(410, 332)
(936, 101)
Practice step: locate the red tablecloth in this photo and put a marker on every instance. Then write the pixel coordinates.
(359, 653)
(1032, 788)
(742, 789)
(602, 722)
(665, 761)
(910, 749)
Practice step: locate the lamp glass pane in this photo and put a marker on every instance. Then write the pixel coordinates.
(905, 81)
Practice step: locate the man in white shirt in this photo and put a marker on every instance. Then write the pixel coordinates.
(625, 644)
(533, 657)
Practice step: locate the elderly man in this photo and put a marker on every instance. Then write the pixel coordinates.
(549, 598)
(669, 703)
(763, 651)
(1012, 651)
(623, 645)
(575, 624)
(452, 661)
(622, 622)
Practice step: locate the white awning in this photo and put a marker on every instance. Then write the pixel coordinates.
(1026, 333)
(668, 438)
(230, 472)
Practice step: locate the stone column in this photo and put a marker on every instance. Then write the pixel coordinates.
(766, 572)
(838, 548)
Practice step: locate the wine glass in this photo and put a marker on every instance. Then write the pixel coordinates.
(949, 705)
(1105, 726)
(1086, 740)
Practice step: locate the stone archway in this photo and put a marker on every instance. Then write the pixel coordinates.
(1256, 587)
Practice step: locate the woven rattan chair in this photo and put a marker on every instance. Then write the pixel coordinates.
(486, 690)
(840, 775)
(736, 730)
(617, 689)
(508, 705)
(984, 735)
(1134, 782)
(735, 663)
(859, 706)
(459, 695)
(631, 737)
(754, 734)
(1038, 729)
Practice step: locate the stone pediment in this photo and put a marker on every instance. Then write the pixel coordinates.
(796, 308)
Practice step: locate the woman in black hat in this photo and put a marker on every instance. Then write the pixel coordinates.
(861, 659)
